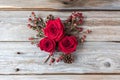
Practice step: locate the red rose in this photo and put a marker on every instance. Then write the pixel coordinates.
(68, 44)
(47, 45)
(54, 29)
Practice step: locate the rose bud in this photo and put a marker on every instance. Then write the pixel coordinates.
(79, 29)
(52, 61)
(29, 25)
(88, 31)
(84, 36)
(57, 60)
(82, 40)
(29, 19)
(80, 21)
(31, 38)
(80, 14)
(33, 14)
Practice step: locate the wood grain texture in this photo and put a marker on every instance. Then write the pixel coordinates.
(57, 4)
(59, 77)
(92, 57)
(105, 25)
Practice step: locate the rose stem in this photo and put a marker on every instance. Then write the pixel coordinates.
(47, 58)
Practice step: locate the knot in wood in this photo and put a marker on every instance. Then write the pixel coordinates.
(107, 64)
(17, 69)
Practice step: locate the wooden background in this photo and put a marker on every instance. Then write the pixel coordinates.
(98, 58)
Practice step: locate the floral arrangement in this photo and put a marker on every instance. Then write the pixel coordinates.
(56, 35)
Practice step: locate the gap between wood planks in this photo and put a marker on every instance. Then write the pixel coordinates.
(59, 77)
(53, 9)
(67, 74)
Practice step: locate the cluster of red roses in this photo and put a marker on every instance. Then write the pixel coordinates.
(55, 38)
(57, 35)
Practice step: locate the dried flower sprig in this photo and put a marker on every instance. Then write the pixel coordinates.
(36, 23)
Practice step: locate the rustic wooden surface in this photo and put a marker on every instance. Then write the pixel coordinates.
(97, 59)
(57, 4)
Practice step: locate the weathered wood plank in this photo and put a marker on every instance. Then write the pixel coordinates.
(57, 4)
(93, 57)
(88, 14)
(59, 77)
(105, 25)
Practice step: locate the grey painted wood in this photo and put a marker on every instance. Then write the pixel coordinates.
(57, 4)
(95, 56)
(92, 57)
(105, 25)
(59, 77)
